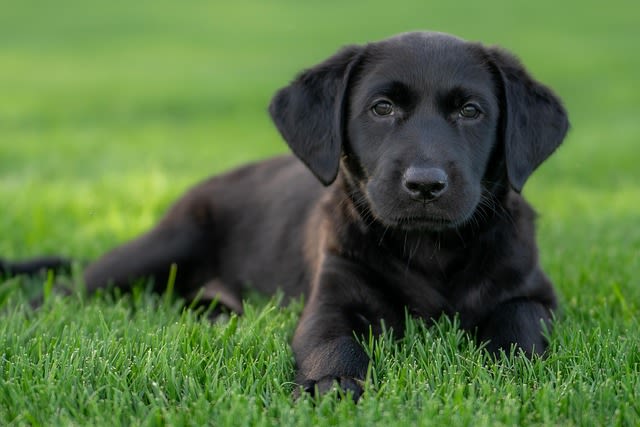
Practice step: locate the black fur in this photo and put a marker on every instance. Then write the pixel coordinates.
(526, 105)
(418, 147)
(309, 113)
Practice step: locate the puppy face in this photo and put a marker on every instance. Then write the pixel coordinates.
(423, 125)
(423, 116)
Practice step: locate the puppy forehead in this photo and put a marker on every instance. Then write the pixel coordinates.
(426, 62)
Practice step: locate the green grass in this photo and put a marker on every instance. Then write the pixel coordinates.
(109, 110)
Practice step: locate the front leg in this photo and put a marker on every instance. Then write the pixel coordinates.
(342, 305)
(521, 322)
(326, 351)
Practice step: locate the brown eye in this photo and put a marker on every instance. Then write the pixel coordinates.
(382, 108)
(469, 111)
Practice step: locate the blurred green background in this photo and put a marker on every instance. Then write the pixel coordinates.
(109, 110)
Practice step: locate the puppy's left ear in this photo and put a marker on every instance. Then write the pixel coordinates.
(534, 120)
(310, 113)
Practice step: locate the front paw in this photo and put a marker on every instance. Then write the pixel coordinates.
(343, 386)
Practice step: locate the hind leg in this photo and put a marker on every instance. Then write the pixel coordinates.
(187, 244)
(150, 256)
(227, 298)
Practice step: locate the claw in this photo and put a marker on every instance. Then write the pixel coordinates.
(340, 385)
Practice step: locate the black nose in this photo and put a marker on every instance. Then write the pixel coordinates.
(425, 184)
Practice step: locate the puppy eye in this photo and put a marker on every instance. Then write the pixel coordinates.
(469, 111)
(382, 108)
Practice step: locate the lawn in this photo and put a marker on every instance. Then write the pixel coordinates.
(109, 110)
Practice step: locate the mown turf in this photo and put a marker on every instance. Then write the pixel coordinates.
(109, 110)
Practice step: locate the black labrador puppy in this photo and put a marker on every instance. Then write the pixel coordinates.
(411, 154)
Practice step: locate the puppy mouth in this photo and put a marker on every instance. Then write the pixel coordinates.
(411, 214)
(426, 223)
(434, 220)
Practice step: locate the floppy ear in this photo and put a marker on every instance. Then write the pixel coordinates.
(534, 120)
(309, 113)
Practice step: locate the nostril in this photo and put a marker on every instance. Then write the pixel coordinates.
(432, 190)
(425, 183)
(412, 186)
(436, 188)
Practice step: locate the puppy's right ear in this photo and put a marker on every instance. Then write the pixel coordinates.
(310, 113)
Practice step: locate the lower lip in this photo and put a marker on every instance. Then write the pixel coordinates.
(433, 223)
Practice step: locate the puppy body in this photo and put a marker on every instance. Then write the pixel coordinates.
(404, 195)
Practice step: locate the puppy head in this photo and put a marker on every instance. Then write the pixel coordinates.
(418, 120)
